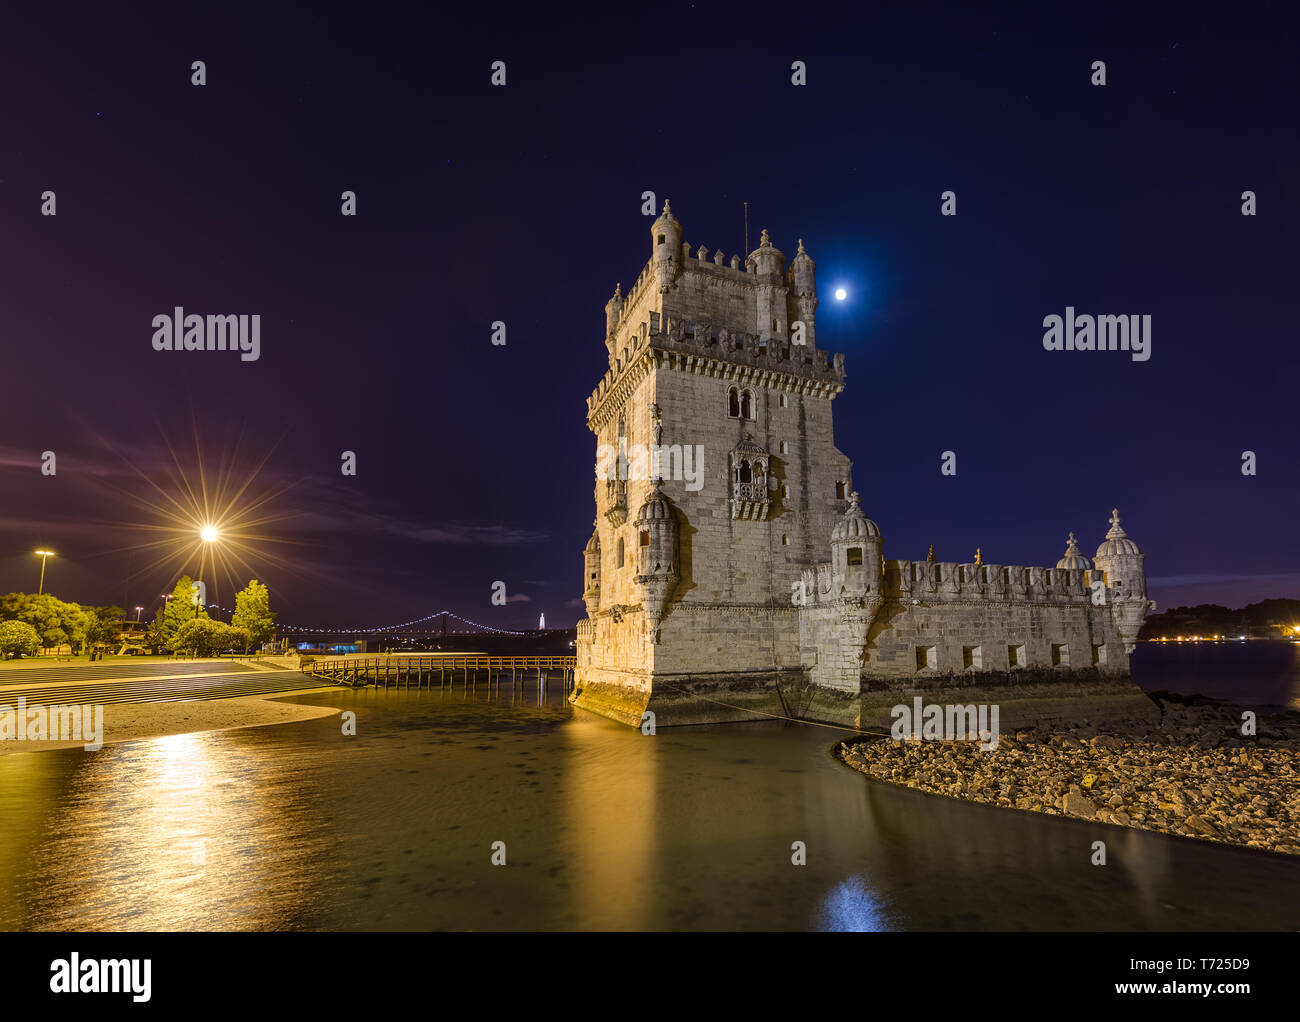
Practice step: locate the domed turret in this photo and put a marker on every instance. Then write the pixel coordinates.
(855, 524)
(591, 577)
(666, 247)
(1073, 559)
(766, 260)
(1117, 543)
(656, 554)
(856, 568)
(1119, 561)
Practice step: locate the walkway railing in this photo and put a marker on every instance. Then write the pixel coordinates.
(425, 672)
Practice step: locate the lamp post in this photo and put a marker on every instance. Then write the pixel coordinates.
(138, 612)
(44, 555)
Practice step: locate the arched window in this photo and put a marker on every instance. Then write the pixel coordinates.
(746, 405)
(619, 563)
(661, 239)
(734, 404)
(745, 476)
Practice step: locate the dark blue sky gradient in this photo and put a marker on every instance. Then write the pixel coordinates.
(522, 204)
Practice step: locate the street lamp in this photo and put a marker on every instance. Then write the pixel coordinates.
(138, 611)
(44, 555)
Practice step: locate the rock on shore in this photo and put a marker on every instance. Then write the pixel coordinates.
(1193, 774)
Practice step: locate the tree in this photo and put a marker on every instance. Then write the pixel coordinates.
(155, 637)
(240, 638)
(181, 608)
(253, 613)
(204, 637)
(108, 624)
(55, 622)
(18, 638)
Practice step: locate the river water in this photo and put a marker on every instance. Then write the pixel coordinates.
(301, 827)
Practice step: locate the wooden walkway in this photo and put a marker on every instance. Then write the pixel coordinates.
(420, 672)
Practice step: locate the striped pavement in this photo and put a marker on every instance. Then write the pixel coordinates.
(153, 683)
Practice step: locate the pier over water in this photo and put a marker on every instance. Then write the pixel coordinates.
(426, 670)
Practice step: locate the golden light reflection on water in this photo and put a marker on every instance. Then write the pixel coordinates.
(173, 833)
(616, 822)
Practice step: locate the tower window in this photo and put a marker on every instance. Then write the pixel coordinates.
(746, 405)
(784, 448)
(854, 555)
(619, 562)
(645, 537)
(839, 491)
(785, 539)
(734, 404)
(782, 400)
(662, 239)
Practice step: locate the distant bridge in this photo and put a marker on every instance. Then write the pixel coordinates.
(420, 671)
(439, 623)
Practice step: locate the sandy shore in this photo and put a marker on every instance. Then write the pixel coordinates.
(128, 722)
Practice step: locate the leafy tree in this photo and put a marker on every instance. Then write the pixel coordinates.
(155, 636)
(253, 613)
(204, 637)
(108, 624)
(180, 609)
(55, 622)
(240, 638)
(18, 638)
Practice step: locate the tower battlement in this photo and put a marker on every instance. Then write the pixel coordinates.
(702, 348)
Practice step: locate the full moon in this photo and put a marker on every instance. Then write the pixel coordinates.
(209, 534)
(840, 294)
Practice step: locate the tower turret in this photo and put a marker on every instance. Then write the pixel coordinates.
(1120, 562)
(767, 260)
(803, 274)
(656, 554)
(613, 313)
(1072, 559)
(591, 573)
(856, 543)
(767, 263)
(666, 248)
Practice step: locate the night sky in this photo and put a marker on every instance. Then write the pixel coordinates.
(522, 204)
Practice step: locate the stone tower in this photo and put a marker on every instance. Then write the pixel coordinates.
(732, 573)
(690, 572)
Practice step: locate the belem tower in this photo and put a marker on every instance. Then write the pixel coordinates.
(760, 588)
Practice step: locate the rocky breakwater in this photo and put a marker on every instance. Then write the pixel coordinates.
(1193, 773)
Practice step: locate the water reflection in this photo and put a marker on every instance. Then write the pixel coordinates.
(853, 907)
(172, 833)
(297, 827)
